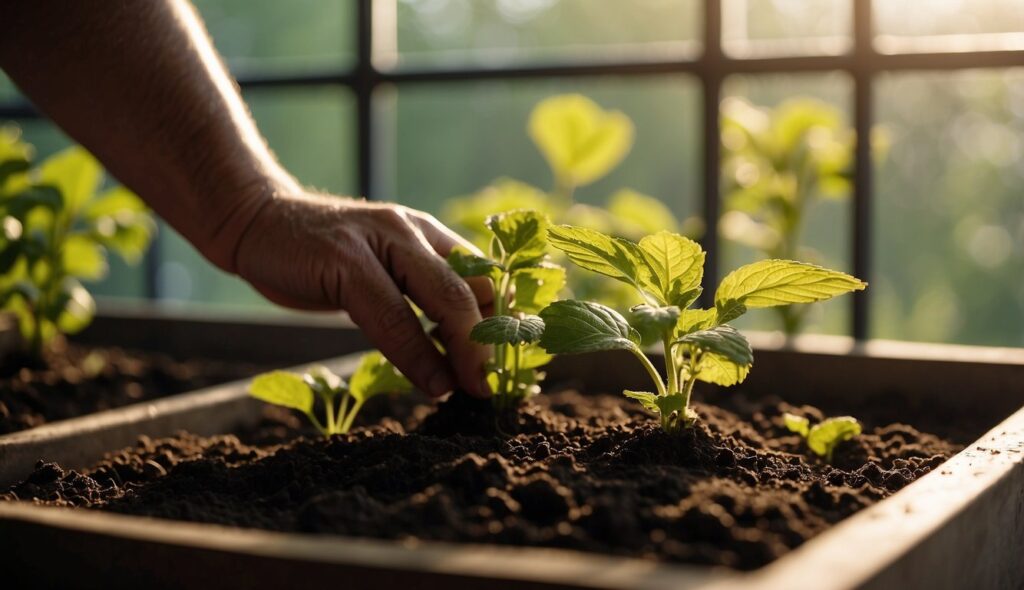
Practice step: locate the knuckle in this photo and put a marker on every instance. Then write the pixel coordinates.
(455, 291)
(393, 319)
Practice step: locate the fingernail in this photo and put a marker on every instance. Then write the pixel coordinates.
(439, 384)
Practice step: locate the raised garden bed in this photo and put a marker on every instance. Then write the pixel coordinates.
(914, 535)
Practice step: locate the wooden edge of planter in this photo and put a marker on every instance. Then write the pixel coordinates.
(289, 557)
(77, 442)
(943, 513)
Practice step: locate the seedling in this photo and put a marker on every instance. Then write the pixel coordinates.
(778, 165)
(825, 436)
(524, 282)
(58, 232)
(666, 270)
(341, 400)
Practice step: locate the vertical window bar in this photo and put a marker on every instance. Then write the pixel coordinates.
(863, 77)
(364, 83)
(711, 82)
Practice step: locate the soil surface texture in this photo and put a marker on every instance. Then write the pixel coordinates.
(592, 473)
(73, 380)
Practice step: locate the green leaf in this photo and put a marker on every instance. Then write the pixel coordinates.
(9, 255)
(33, 196)
(503, 329)
(722, 340)
(646, 399)
(797, 424)
(691, 320)
(116, 201)
(83, 257)
(323, 381)
(522, 235)
(583, 326)
(780, 282)
(283, 389)
(637, 215)
(727, 311)
(537, 287)
(653, 322)
(532, 357)
(581, 141)
(375, 375)
(128, 235)
(594, 251)
(717, 369)
(76, 308)
(467, 264)
(825, 436)
(676, 264)
(673, 402)
(76, 173)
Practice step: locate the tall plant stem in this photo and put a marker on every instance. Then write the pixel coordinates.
(670, 364)
(651, 370)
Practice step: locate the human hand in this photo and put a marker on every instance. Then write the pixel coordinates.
(325, 252)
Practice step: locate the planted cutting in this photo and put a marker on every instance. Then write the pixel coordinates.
(666, 270)
(524, 282)
(340, 400)
(825, 436)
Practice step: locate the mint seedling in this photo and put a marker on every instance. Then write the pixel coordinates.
(524, 282)
(825, 436)
(57, 232)
(341, 399)
(665, 270)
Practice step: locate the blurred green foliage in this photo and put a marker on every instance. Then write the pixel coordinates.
(57, 231)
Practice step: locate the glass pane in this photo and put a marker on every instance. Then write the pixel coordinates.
(949, 242)
(787, 148)
(438, 32)
(762, 28)
(948, 25)
(454, 139)
(311, 133)
(262, 35)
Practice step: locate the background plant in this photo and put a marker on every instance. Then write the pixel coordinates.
(57, 231)
(582, 143)
(340, 400)
(524, 282)
(825, 436)
(666, 271)
(777, 165)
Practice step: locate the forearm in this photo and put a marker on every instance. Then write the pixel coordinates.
(138, 83)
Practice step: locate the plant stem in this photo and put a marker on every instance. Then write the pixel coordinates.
(329, 405)
(350, 418)
(670, 363)
(515, 372)
(651, 370)
(319, 426)
(342, 410)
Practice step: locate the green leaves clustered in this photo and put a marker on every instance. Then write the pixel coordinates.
(57, 232)
(524, 282)
(666, 271)
(341, 400)
(825, 436)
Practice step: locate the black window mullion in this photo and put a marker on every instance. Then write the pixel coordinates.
(363, 85)
(863, 78)
(711, 74)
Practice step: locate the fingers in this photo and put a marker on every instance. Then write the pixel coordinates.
(442, 240)
(377, 306)
(446, 299)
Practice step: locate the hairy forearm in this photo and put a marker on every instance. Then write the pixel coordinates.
(138, 83)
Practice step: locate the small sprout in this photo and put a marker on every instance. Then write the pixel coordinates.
(524, 282)
(824, 437)
(666, 270)
(341, 400)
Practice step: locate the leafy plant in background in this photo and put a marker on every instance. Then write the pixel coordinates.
(524, 282)
(666, 270)
(777, 164)
(340, 400)
(825, 436)
(582, 143)
(57, 231)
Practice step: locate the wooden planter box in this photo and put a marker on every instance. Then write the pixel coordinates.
(961, 526)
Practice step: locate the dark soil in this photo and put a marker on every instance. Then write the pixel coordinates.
(74, 380)
(591, 473)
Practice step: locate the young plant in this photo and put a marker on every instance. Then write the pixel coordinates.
(524, 282)
(666, 270)
(57, 232)
(341, 400)
(825, 436)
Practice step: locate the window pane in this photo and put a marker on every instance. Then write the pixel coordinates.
(311, 133)
(761, 28)
(802, 151)
(949, 243)
(489, 31)
(261, 35)
(948, 25)
(454, 139)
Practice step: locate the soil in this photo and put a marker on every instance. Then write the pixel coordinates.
(593, 473)
(73, 380)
